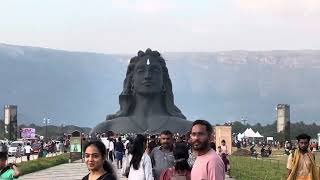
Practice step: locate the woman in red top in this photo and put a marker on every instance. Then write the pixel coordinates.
(181, 169)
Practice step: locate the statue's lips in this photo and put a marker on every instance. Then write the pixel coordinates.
(147, 83)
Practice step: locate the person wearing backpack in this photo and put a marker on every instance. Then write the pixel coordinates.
(181, 169)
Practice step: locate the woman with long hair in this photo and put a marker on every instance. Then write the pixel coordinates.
(140, 162)
(181, 169)
(95, 158)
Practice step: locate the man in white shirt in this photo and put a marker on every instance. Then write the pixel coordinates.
(125, 146)
(106, 143)
(111, 150)
(28, 150)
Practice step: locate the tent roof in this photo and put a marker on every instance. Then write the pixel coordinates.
(257, 134)
(249, 133)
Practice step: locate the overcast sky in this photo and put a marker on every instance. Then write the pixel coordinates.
(125, 26)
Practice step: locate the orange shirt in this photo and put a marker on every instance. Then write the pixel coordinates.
(304, 166)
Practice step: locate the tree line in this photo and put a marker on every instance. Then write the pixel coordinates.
(54, 132)
(271, 129)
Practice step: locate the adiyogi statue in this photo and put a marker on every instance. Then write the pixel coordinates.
(146, 101)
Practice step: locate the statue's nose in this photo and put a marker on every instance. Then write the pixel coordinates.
(147, 74)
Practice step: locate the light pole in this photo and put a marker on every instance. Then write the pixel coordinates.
(46, 121)
(62, 129)
(244, 120)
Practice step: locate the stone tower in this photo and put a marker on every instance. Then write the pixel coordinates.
(10, 122)
(283, 120)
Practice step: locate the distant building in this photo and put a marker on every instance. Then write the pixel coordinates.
(283, 120)
(10, 122)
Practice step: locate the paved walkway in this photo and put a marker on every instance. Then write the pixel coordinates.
(64, 171)
(69, 171)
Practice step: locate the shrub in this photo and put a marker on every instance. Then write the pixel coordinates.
(42, 163)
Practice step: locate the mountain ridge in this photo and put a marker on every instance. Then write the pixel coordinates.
(83, 87)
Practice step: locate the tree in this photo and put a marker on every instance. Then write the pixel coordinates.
(271, 129)
(1, 129)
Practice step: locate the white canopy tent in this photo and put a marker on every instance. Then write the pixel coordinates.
(240, 136)
(249, 133)
(258, 135)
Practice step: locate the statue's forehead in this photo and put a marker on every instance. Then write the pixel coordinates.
(148, 60)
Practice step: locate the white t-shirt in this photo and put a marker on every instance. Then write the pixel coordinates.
(145, 169)
(106, 142)
(125, 144)
(224, 149)
(111, 146)
(28, 149)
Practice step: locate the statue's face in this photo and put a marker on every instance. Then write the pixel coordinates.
(147, 78)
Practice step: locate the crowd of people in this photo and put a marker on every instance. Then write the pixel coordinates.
(194, 156)
(10, 170)
(169, 157)
(164, 158)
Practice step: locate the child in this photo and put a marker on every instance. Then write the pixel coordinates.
(18, 153)
(224, 147)
(219, 151)
(226, 163)
(181, 169)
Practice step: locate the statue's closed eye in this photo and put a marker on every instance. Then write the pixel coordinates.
(155, 69)
(141, 69)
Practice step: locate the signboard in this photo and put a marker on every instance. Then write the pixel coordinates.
(269, 138)
(75, 144)
(6, 116)
(27, 133)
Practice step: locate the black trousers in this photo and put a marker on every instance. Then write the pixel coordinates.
(111, 156)
(28, 156)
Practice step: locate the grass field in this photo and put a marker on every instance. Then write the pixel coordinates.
(246, 168)
(272, 168)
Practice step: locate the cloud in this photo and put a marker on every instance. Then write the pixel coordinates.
(281, 7)
(144, 6)
(154, 6)
(120, 4)
(200, 29)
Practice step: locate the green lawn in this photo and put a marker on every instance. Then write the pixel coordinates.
(246, 168)
(285, 158)
(42, 163)
(272, 168)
